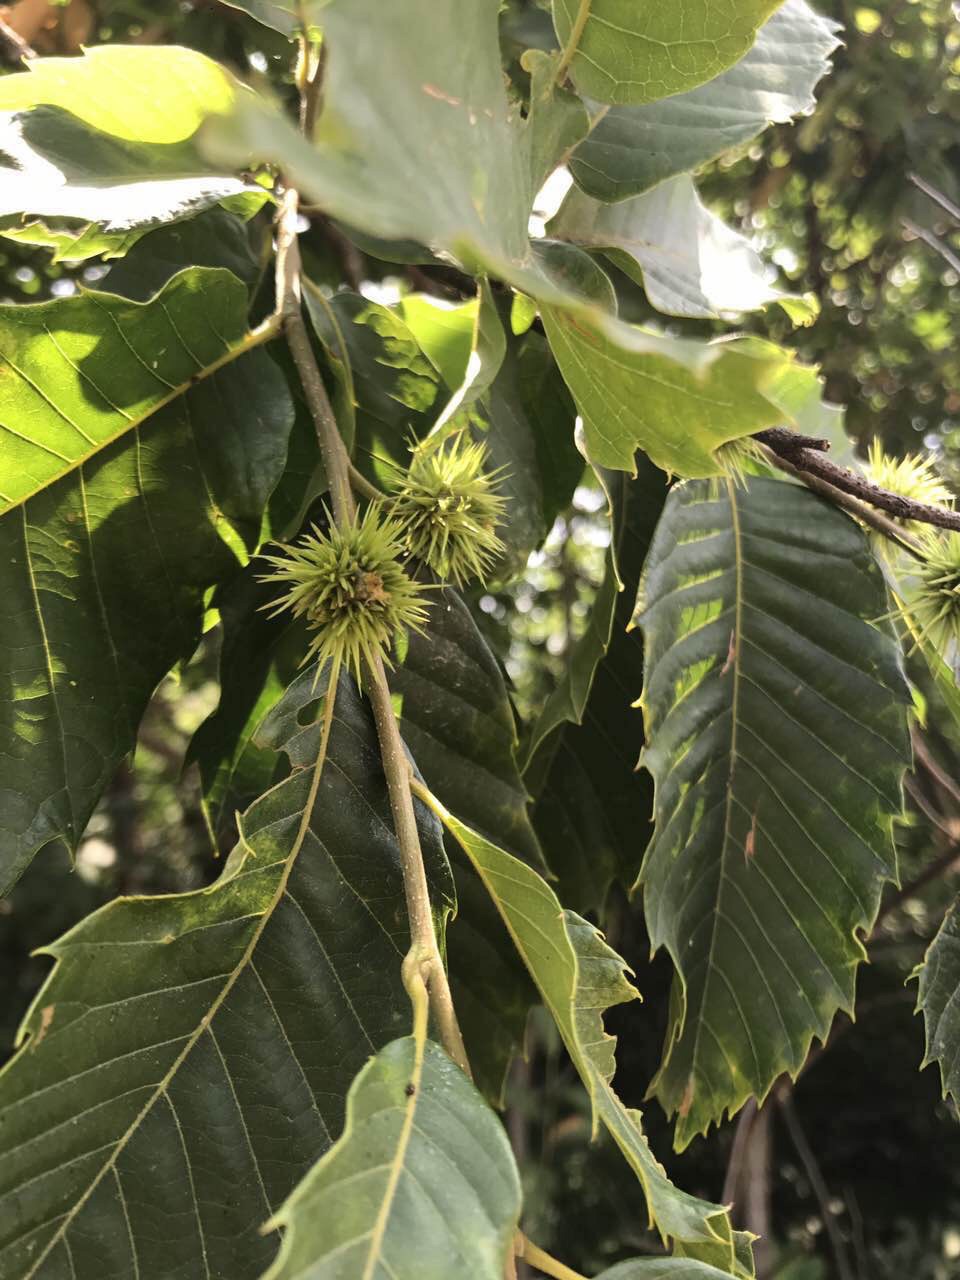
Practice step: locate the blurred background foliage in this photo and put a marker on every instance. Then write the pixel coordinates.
(854, 1172)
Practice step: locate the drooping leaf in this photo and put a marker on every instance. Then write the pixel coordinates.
(579, 977)
(190, 1055)
(100, 149)
(84, 372)
(466, 343)
(627, 53)
(689, 261)
(632, 148)
(642, 398)
(776, 732)
(106, 565)
(408, 368)
(422, 1183)
(592, 807)
(937, 1000)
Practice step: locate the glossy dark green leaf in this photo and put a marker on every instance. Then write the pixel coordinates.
(633, 148)
(190, 1055)
(776, 728)
(97, 150)
(629, 53)
(579, 977)
(593, 808)
(421, 1184)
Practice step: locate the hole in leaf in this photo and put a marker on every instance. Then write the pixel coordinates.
(309, 714)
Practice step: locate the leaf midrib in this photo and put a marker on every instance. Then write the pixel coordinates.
(734, 725)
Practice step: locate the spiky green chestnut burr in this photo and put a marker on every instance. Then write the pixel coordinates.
(350, 586)
(911, 477)
(449, 509)
(934, 603)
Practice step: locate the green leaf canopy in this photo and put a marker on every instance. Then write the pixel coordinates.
(190, 1055)
(777, 738)
(633, 148)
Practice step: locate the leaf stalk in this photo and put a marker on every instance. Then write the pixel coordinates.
(423, 938)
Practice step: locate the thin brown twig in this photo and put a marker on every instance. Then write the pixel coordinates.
(936, 771)
(847, 502)
(933, 241)
(937, 196)
(789, 446)
(735, 1162)
(947, 862)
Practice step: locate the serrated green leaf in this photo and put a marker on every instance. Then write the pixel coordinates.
(689, 261)
(106, 568)
(626, 53)
(937, 1000)
(421, 1186)
(189, 1056)
(676, 400)
(776, 728)
(592, 807)
(579, 977)
(100, 149)
(465, 342)
(633, 148)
